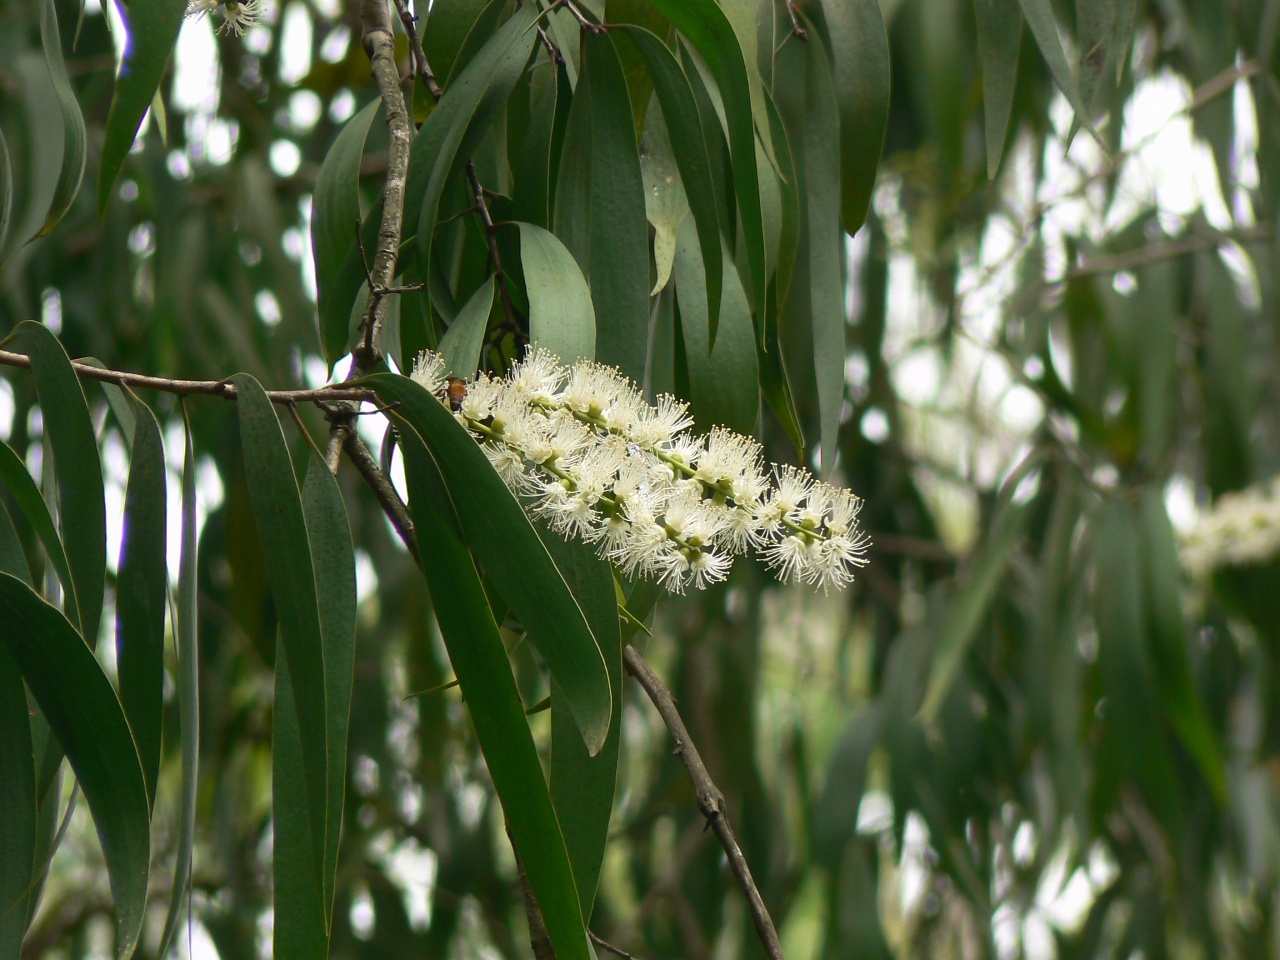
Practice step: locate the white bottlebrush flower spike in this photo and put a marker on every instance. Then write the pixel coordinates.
(598, 463)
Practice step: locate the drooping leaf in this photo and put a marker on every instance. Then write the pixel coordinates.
(77, 699)
(277, 507)
(152, 26)
(12, 559)
(599, 207)
(14, 476)
(531, 201)
(688, 142)
(18, 807)
(71, 172)
(722, 378)
(999, 37)
(462, 342)
(141, 590)
(835, 817)
(335, 565)
(582, 786)
(860, 61)
(335, 216)
(512, 555)
(82, 511)
(6, 191)
(187, 643)
(484, 673)
(665, 202)
(1044, 28)
(561, 317)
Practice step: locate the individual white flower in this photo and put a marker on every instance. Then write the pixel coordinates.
(237, 16)
(198, 8)
(538, 376)
(709, 567)
(429, 371)
(790, 556)
(655, 426)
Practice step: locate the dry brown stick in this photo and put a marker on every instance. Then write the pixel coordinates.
(710, 799)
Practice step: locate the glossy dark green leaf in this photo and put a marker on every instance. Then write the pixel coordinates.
(860, 55)
(710, 32)
(153, 27)
(483, 670)
(999, 37)
(680, 112)
(600, 208)
(583, 786)
(462, 342)
(335, 566)
(77, 699)
(1162, 592)
(561, 317)
(14, 477)
(512, 555)
(187, 642)
(6, 191)
(723, 378)
(82, 510)
(277, 507)
(335, 216)
(141, 593)
(452, 30)
(826, 247)
(71, 172)
(18, 805)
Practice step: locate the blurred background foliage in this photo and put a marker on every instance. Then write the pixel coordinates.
(1045, 722)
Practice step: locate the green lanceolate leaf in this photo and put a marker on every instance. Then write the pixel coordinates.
(277, 507)
(860, 61)
(6, 191)
(531, 201)
(14, 476)
(561, 317)
(12, 559)
(462, 342)
(153, 27)
(18, 806)
(722, 379)
(582, 786)
(335, 566)
(83, 712)
(711, 33)
(1044, 28)
(999, 37)
(600, 209)
(665, 203)
(484, 673)
(335, 217)
(513, 557)
(71, 172)
(835, 814)
(82, 509)
(185, 639)
(826, 284)
(141, 590)
(689, 146)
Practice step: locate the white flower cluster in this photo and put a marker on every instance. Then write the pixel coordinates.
(235, 15)
(600, 464)
(1241, 529)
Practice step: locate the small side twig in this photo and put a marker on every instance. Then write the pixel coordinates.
(711, 800)
(378, 482)
(797, 30)
(604, 944)
(495, 256)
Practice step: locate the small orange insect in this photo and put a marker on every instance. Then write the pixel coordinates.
(456, 391)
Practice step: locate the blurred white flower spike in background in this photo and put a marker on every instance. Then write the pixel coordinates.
(236, 17)
(584, 450)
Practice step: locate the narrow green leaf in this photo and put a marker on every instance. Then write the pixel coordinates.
(83, 712)
(187, 643)
(483, 671)
(722, 379)
(141, 587)
(82, 509)
(152, 26)
(999, 37)
(665, 203)
(18, 806)
(710, 32)
(335, 216)
(600, 208)
(334, 556)
(513, 556)
(1095, 20)
(860, 54)
(835, 816)
(462, 342)
(561, 317)
(277, 507)
(531, 198)
(6, 191)
(71, 173)
(1044, 28)
(968, 607)
(14, 476)
(12, 558)
(299, 929)
(455, 29)
(582, 786)
(688, 141)
(826, 246)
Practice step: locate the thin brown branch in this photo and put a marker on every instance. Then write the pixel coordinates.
(186, 388)
(1164, 251)
(711, 800)
(495, 256)
(386, 494)
(583, 22)
(552, 50)
(604, 944)
(420, 65)
(539, 938)
(796, 29)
